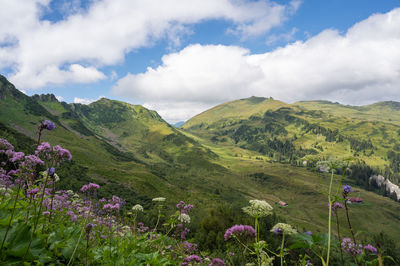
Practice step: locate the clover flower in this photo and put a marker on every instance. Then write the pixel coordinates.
(258, 208)
(350, 247)
(159, 199)
(240, 231)
(217, 262)
(137, 208)
(282, 228)
(371, 248)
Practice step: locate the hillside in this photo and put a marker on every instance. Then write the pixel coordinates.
(132, 152)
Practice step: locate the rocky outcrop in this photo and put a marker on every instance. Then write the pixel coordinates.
(391, 188)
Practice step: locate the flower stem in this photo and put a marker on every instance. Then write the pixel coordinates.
(338, 232)
(11, 218)
(348, 220)
(283, 241)
(329, 219)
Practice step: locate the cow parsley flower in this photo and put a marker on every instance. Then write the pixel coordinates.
(258, 208)
(184, 218)
(159, 199)
(282, 228)
(137, 208)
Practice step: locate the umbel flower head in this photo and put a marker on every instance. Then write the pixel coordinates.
(184, 218)
(159, 199)
(258, 208)
(282, 228)
(137, 208)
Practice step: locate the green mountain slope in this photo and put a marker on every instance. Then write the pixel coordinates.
(130, 151)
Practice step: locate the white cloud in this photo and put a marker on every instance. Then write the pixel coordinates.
(358, 67)
(59, 98)
(109, 29)
(86, 100)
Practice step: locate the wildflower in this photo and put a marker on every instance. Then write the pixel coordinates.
(189, 247)
(282, 228)
(192, 258)
(231, 254)
(31, 161)
(16, 156)
(336, 205)
(258, 208)
(240, 230)
(371, 248)
(184, 218)
(90, 187)
(32, 191)
(61, 154)
(346, 189)
(309, 233)
(89, 227)
(181, 204)
(51, 171)
(184, 232)
(137, 208)
(48, 125)
(217, 262)
(5, 145)
(350, 247)
(46, 213)
(159, 199)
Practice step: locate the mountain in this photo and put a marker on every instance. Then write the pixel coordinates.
(306, 131)
(178, 124)
(213, 162)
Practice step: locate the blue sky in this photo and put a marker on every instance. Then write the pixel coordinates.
(180, 57)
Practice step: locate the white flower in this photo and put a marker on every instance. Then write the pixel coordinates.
(184, 218)
(287, 229)
(137, 208)
(159, 199)
(258, 208)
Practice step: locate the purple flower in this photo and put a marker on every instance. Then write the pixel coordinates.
(32, 191)
(189, 247)
(89, 227)
(346, 189)
(46, 213)
(192, 258)
(51, 171)
(278, 231)
(350, 247)
(231, 254)
(84, 188)
(61, 154)
(90, 187)
(5, 145)
(217, 262)
(31, 161)
(16, 156)
(240, 230)
(181, 204)
(371, 248)
(47, 124)
(309, 233)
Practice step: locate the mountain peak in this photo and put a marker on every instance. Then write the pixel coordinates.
(8, 89)
(45, 97)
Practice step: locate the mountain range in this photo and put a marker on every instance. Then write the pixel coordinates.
(250, 148)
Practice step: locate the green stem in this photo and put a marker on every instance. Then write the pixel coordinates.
(338, 232)
(77, 243)
(11, 218)
(329, 219)
(281, 252)
(158, 218)
(348, 220)
(37, 217)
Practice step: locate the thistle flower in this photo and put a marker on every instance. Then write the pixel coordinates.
(258, 208)
(240, 231)
(282, 228)
(159, 199)
(137, 208)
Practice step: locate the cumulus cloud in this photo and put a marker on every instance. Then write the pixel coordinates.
(358, 67)
(86, 100)
(41, 52)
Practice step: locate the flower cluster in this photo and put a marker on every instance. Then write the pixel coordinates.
(371, 248)
(282, 228)
(90, 187)
(189, 247)
(217, 262)
(47, 124)
(191, 258)
(240, 231)
(350, 247)
(258, 208)
(183, 207)
(137, 208)
(346, 189)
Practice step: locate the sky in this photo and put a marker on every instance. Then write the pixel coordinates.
(182, 57)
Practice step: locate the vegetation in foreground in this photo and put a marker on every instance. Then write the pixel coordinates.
(40, 225)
